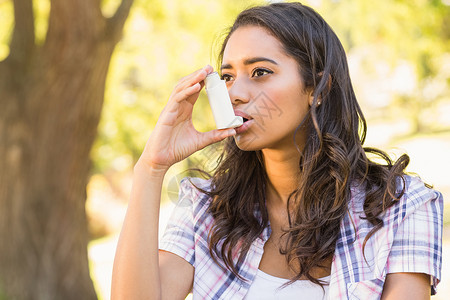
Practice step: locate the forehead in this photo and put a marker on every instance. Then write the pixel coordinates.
(252, 41)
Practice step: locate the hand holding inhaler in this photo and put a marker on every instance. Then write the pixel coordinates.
(174, 137)
(220, 102)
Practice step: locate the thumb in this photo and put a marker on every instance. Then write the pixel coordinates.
(214, 136)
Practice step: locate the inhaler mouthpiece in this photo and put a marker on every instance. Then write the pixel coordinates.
(220, 103)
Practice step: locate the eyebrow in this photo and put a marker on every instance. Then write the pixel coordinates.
(250, 61)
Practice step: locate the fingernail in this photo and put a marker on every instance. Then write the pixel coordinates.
(231, 131)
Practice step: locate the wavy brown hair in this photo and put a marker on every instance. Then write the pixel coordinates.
(332, 158)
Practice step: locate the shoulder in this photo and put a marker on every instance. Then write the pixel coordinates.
(190, 210)
(417, 192)
(415, 219)
(411, 228)
(192, 197)
(411, 232)
(190, 191)
(416, 223)
(187, 225)
(418, 198)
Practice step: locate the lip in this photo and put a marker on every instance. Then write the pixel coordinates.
(244, 127)
(242, 114)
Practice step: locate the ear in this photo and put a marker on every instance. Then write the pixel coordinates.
(319, 100)
(310, 97)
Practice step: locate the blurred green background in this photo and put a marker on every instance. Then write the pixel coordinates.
(399, 58)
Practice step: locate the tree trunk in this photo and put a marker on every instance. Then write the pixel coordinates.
(51, 99)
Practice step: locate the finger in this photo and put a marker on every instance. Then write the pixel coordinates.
(193, 78)
(187, 92)
(172, 109)
(214, 136)
(208, 69)
(182, 82)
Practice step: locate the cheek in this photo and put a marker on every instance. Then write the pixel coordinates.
(278, 107)
(289, 105)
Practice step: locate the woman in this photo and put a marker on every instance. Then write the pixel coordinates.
(295, 208)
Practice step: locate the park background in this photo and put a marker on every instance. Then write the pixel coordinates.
(399, 59)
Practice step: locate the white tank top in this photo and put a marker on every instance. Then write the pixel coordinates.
(265, 287)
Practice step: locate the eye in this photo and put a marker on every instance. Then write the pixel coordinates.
(226, 77)
(260, 72)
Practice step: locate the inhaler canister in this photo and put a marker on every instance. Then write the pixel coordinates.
(220, 103)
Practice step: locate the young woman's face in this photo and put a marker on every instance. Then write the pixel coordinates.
(265, 86)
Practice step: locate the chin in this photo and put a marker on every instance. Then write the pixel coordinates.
(247, 142)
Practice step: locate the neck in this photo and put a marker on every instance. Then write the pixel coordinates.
(282, 170)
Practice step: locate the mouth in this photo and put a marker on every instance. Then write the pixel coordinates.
(245, 126)
(248, 120)
(246, 117)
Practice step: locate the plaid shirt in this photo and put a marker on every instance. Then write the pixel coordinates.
(409, 241)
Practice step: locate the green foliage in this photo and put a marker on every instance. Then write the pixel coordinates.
(415, 30)
(401, 48)
(41, 11)
(6, 25)
(41, 14)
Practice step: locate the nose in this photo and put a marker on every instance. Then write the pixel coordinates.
(239, 91)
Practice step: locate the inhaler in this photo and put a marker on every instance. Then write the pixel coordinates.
(220, 103)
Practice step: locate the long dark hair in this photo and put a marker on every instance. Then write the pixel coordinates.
(332, 159)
